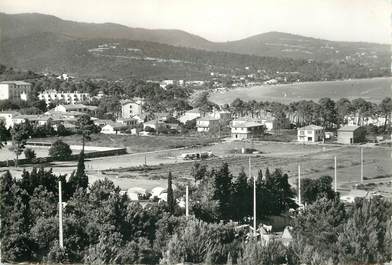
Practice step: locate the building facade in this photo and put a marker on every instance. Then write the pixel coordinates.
(246, 129)
(66, 97)
(15, 90)
(347, 134)
(131, 107)
(208, 124)
(310, 134)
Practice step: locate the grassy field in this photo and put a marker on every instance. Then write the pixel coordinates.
(315, 160)
(135, 144)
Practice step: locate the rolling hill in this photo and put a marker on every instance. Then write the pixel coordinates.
(47, 43)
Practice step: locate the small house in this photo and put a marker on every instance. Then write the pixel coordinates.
(113, 128)
(208, 124)
(310, 134)
(348, 134)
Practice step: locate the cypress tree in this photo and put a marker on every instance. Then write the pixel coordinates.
(80, 178)
(170, 196)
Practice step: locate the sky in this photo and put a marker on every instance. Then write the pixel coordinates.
(227, 20)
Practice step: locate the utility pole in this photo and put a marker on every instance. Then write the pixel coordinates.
(61, 243)
(361, 164)
(250, 168)
(299, 184)
(186, 201)
(254, 207)
(335, 175)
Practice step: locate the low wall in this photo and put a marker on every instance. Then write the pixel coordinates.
(73, 157)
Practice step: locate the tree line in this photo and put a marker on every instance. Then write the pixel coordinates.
(326, 112)
(102, 226)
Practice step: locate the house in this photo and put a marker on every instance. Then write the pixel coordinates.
(154, 124)
(85, 109)
(190, 115)
(348, 134)
(128, 122)
(241, 129)
(208, 124)
(15, 90)
(310, 134)
(131, 107)
(50, 96)
(113, 128)
(7, 118)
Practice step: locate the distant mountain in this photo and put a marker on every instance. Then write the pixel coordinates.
(274, 44)
(47, 43)
(19, 25)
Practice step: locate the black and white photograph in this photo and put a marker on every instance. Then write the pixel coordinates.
(195, 132)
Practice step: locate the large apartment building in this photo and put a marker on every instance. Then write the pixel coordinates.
(65, 97)
(15, 90)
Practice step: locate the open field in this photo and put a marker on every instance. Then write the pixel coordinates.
(315, 160)
(374, 90)
(134, 144)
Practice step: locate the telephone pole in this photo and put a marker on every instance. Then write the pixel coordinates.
(61, 242)
(254, 206)
(361, 164)
(186, 201)
(299, 184)
(335, 175)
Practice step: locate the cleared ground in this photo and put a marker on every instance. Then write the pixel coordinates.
(315, 160)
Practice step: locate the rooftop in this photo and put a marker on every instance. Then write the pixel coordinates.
(349, 128)
(15, 82)
(246, 124)
(312, 127)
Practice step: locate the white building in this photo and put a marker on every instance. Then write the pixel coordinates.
(66, 97)
(7, 118)
(86, 109)
(310, 134)
(131, 107)
(15, 90)
(208, 124)
(246, 129)
(113, 128)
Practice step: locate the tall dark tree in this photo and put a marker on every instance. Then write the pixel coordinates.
(223, 191)
(86, 127)
(19, 134)
(80, 178)
(171, 202)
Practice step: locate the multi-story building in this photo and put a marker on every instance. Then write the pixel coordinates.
(131, 107)
(310, 134)
(241, 129)
(15, 90)
(65, 97)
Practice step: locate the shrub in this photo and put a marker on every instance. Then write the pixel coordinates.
(29, 154)
(57, 254)
(60, 150)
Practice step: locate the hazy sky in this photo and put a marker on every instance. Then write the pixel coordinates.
(223, 20)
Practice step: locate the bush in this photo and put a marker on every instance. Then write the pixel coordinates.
(29, 154)
(57, 254)
(60, 150)
(201, 241)
(259, 253)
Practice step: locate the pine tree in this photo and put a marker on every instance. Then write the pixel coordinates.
(223, 191)
(170, 196)
(80, 178)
